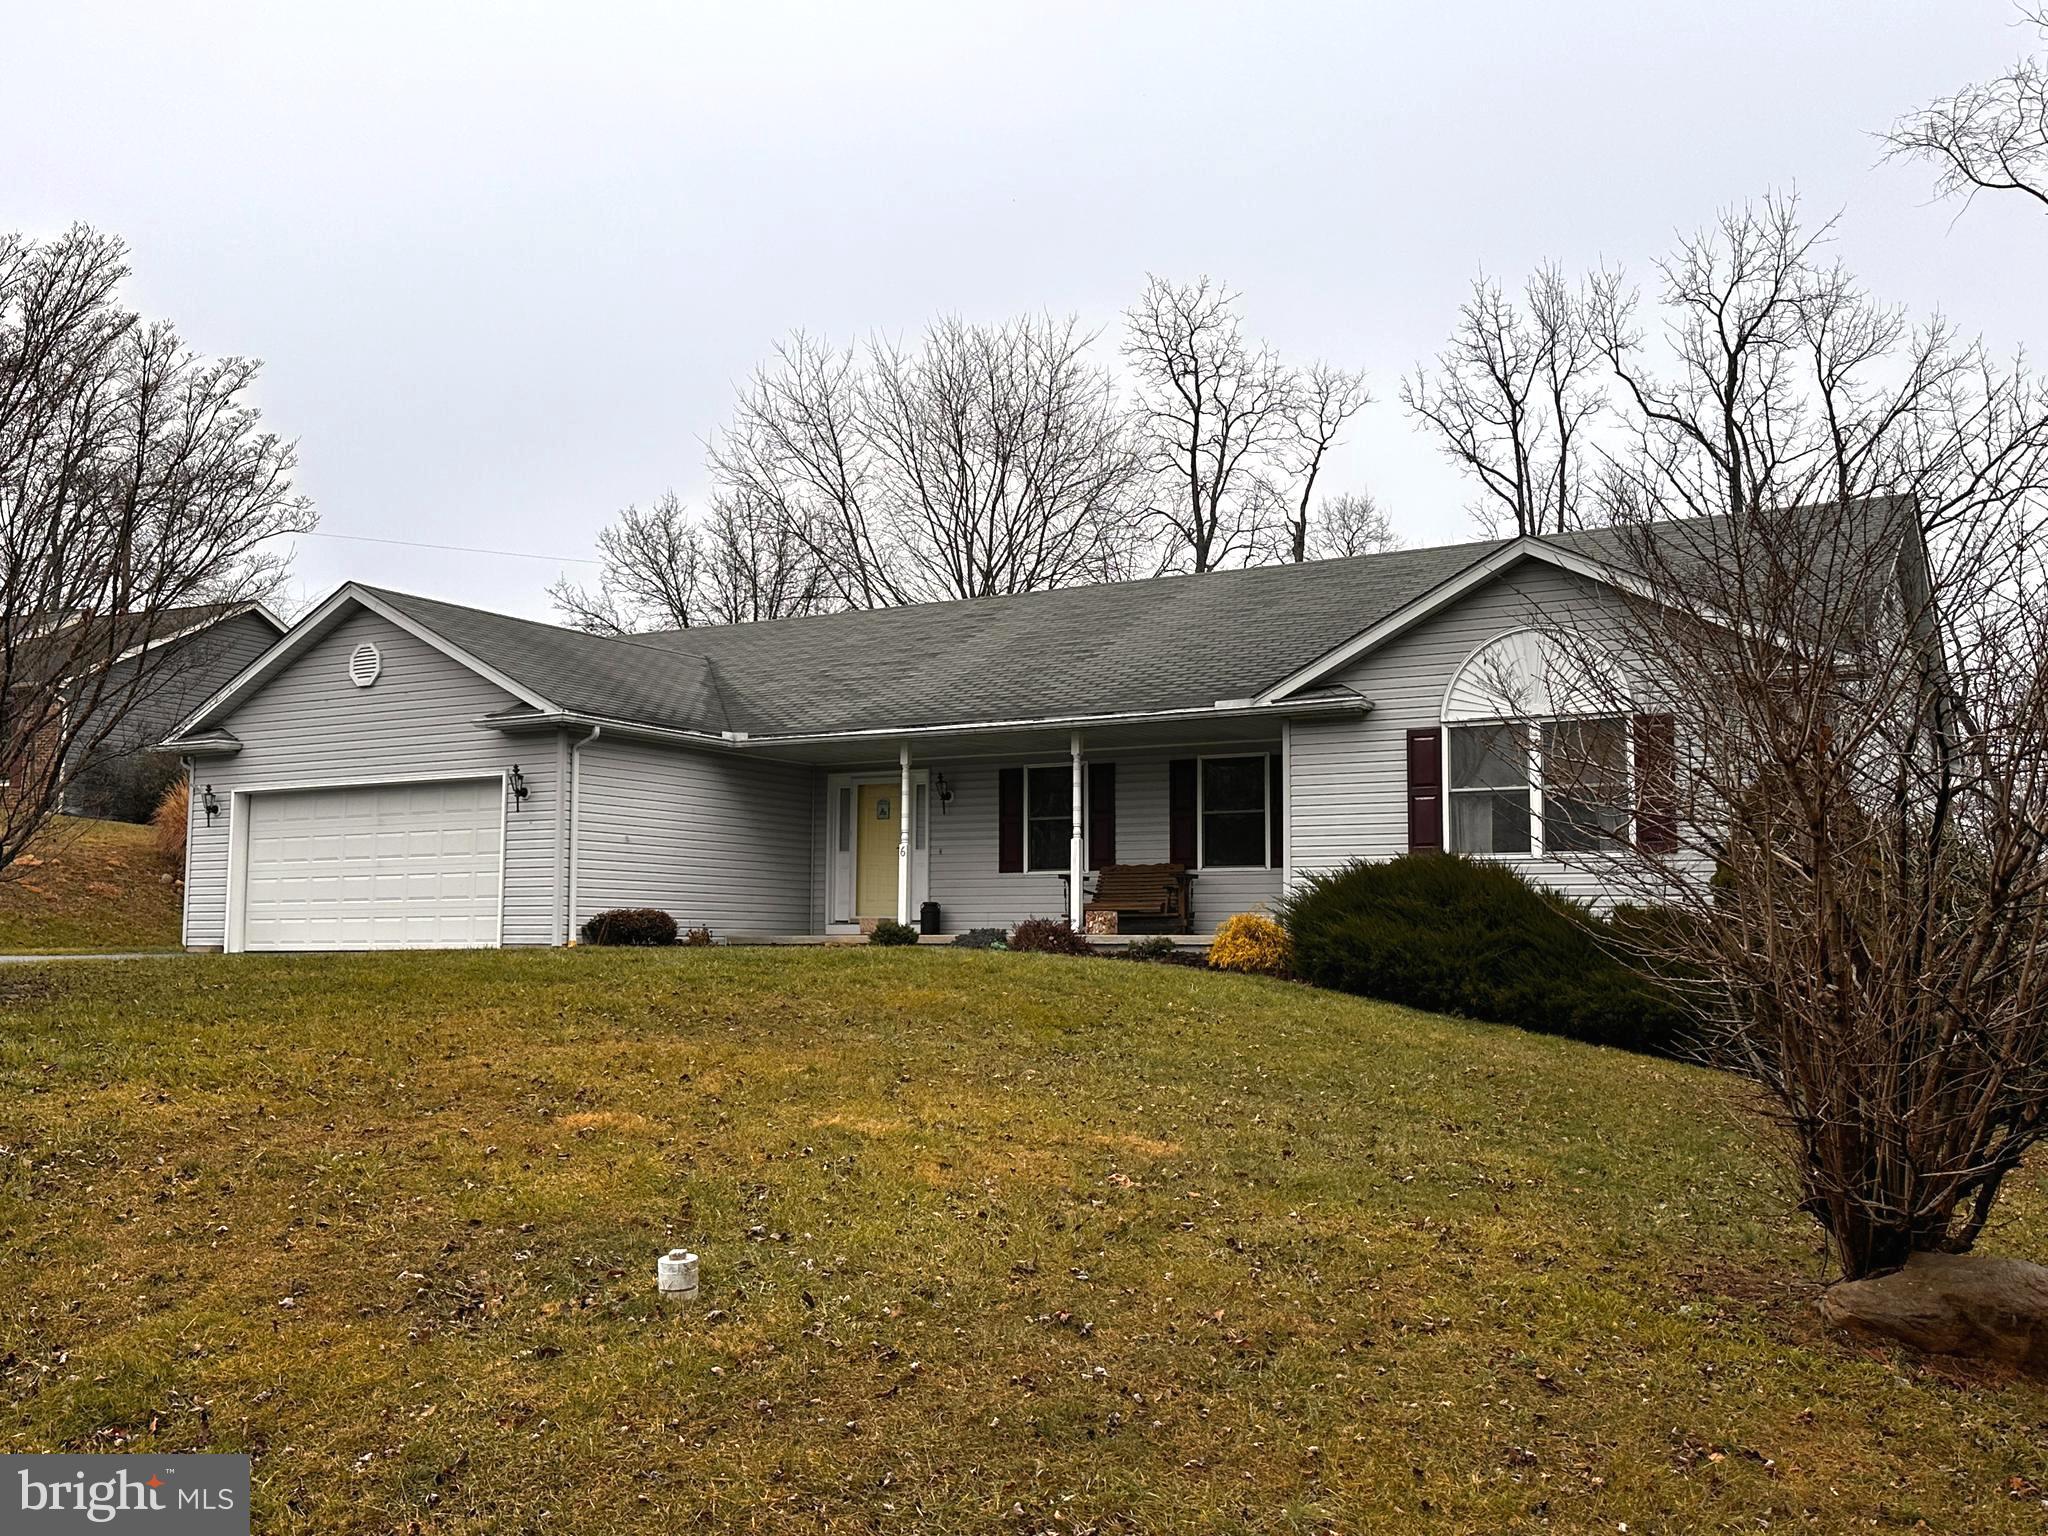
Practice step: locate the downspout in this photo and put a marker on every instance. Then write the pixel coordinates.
(185, 873)
(575, 808)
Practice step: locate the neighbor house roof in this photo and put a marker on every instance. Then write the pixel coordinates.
(84, 643)
(1269, 634)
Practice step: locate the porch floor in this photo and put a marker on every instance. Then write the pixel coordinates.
(1191, 941)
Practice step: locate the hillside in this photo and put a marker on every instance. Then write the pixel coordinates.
(88, 885)
(990, 1242)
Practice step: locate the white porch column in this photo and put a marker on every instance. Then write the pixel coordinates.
(903, 835)
(1075, 858)
(1286, 808)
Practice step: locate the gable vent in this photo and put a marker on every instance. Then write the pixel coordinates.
(364, 663)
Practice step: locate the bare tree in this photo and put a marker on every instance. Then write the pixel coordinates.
(1836, 663)
(1511, 398)
(752, 566)
(1350, 524)
(985, 459)
(798, 448)
(664, 569)
(137, 490)
(1215, 414)
(1326, 400)
(1991, 136)
(1002, 456)
(649, 577)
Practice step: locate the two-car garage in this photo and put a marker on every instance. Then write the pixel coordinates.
(371, 866)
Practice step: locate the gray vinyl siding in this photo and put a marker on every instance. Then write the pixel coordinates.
(310, 725)
(973, 893)
(182, 674)
(1350, 783)
(716, 840)
(820, 817)
(187, 673)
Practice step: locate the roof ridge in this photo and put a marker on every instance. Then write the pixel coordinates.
(1479, 546)
(638, 641)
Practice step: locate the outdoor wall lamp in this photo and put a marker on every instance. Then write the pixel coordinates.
(943, 790)
(211, 803)
(517, 783)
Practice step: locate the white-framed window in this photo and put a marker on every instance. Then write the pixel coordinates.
(1532, 787)
(1048, 816)
(1585, 770)
(1537, 754)
(1233, 813)
(1490, 791)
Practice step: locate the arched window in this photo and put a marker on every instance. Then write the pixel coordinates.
(1536, 751)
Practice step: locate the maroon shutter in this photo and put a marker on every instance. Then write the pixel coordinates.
(1180, 811)
(1425, 791)
(1010, 821)
(1656, 784)
(1101, 815)
(1276, 838)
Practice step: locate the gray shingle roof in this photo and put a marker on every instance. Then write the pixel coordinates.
(1176, 642)
(620, 679)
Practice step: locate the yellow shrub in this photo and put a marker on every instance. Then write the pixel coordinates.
(173, 813)
(1254, 943)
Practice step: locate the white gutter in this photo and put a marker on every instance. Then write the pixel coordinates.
(559, 718)
(575, 808)
(1229, 709)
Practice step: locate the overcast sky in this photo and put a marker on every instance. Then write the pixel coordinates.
(505, 264)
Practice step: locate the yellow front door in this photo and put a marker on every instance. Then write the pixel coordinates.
(875, 831)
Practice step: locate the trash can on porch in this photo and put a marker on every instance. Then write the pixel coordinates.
(928, 918)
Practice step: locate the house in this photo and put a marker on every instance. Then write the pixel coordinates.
(134, 690)
(400, 771)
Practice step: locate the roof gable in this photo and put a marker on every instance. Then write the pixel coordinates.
(302, 635)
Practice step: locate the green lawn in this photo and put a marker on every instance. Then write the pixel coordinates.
(992, 1242)
(88, 885)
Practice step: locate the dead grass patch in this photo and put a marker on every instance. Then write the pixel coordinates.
(625, 1122)
(89, 885)
(866, 1125)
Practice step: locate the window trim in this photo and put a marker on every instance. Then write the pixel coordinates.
(1532, 753)
(1064, 770)
(1626, 838)
(1202, 760)
(1539, 844)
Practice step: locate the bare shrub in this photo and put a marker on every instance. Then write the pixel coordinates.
(1830, 521)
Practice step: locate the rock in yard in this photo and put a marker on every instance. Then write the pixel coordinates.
(1951, 1304)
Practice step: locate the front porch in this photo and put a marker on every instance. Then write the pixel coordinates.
(1188, 943)
(994, 828)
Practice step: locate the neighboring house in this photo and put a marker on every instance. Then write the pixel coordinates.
(399, 771)
(120, 771)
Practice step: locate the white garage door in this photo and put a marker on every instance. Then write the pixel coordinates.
(375, 866)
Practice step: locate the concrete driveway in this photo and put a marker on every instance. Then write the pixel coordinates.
(155, 954)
